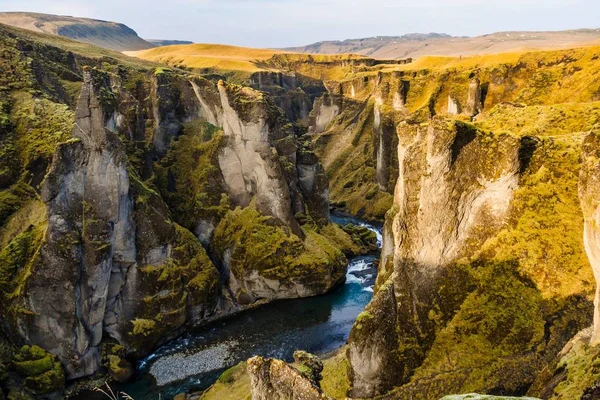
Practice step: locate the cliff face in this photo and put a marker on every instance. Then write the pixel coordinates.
(472, 200)
(293, 93)
(446, 169)
(589, 194)
(106, 236)
(158, 213)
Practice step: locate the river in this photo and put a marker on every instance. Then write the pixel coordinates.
(318, 325)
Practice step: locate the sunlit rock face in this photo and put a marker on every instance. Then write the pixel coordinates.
(589, 194)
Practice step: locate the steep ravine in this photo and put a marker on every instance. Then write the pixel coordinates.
(151, 220)
(138, 203)
(318, 325)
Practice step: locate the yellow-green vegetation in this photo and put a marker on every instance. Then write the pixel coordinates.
(258, 243)
(533, 78)
(113, 359)
(498, 340)
(240, 62)
(582, 367)
(546, 225)
(40, 125)
(334, 67)
(233, 384)
(48, 42)
(17, 259)
(187, 280)
(347, 154)
(492, 340)
(547, 120)
(189, 177)
(214, 57)
(335, 375)
(143, 327)
(41, 370)
(30, 213)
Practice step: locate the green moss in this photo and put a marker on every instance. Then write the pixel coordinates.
(362, 237)
(335, 381)
(187, 282)
(40, 125)
(233, 384)
(258, 243)
(546, 225)
(143, 327)
(500, 337)
(16, 259)
(546, 120)
(188, 177)
(230, 375)
(582, 366)
(12, 198)
(305, 370)
(42, 371)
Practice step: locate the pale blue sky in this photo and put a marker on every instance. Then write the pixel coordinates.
(279, 23)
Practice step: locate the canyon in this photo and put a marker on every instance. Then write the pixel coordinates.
(140, 201)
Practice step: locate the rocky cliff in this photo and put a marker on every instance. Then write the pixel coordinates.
(173, 200)
(589, 193)
(274, 379)
(470, 172)
(573, 373)
(137, 201)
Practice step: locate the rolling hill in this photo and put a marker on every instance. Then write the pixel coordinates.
(110, 35)
(436, 44)
(208, 56)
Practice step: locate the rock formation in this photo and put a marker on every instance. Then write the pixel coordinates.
(445, 169)
(275, 380)
(132, 242)
(589, 194)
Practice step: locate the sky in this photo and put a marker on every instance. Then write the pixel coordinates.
(283, 23)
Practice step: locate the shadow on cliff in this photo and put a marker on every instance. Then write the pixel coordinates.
(485, 324)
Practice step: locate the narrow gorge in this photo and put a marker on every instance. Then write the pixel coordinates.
(160, 224)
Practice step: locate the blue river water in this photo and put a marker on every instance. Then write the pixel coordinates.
(318, 325)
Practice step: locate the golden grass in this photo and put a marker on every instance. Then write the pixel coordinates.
(208, 56)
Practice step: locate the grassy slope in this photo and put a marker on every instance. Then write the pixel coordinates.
(80, 48)
(110, 35)
(208, 56)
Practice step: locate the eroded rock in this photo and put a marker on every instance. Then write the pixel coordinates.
(447, 170)
(589, 194)
(275, 380)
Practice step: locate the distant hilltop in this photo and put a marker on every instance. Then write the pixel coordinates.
(161, 43)
(110, 35)
(440, 44)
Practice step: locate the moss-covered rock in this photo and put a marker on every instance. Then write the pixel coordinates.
(365, 238)
(262, 260)
(190, 180)
(114, 360)
(572, 373)
(233, 384)
(276, 379)
(41, 370)
(309, 365)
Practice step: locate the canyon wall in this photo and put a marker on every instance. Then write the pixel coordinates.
(589, 193)
(166, 200)
(484, 170)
